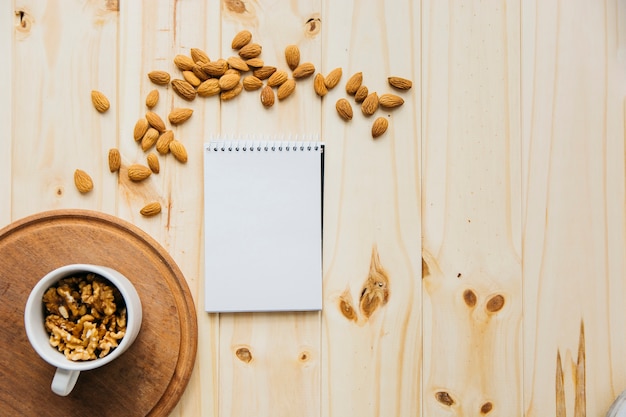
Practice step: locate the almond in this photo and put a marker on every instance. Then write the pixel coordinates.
(138, 172)
(155, 121)
(179, 115)
(232, 93)
(286, 89)
(251, 83)
(183, 62)
(303, 70)
(370, 104)
(159, 77)
(184, 89)
(191, 78)
(379, 127)
(292, 56)
(264, 72)
(152, 98)
(153, 163)
(83, 181)
(115, 160)
(237, 63)
(209, 88)
(319, 85)
(199, 72)
(199, 56)
(151, 209)
(241, 39)
(277, 78)
(229, 81)
(251, 50)
(233, 71)
(267, 96)
(361, 94)
(344, 108)
(141, 127)
(100, 101)
(215, 68)
(149, 139)
(163, 143)
(255, 62)
(400, 83)
(390, 101)
(354, 83)
(178, 150)
(333, 77)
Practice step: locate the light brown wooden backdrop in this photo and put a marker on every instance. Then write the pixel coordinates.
(495, 201)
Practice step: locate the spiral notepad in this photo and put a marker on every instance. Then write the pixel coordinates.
(263, 225)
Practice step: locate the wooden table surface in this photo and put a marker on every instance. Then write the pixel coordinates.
(495, 202)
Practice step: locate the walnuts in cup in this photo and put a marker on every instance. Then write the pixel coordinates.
(85, 316)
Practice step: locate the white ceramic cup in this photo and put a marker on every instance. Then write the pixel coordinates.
(67, 370)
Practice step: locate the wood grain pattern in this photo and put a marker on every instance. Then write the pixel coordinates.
(372, 216)
(504, 169)
(471, 202)
(573, 138)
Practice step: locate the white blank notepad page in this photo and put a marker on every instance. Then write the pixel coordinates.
(263, 226)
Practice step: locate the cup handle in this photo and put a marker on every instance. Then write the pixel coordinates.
(64, 381)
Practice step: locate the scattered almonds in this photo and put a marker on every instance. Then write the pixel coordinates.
(304, 70)
(152, 98)
(292, 56)
(354, 83)
(400, 83)
(184, 89)
(155, 121)
(379, 127)
(153, 163)
(100, 101)
(83, 181)
(267, 96)
(178, 150)
(370, 104)
(226, 78)
(241, 39)
(179, 115)
(151, 209)
(344, 108)
(286, 89)
(115, 160)
(159, 77)
(138, 172)
(319, 85)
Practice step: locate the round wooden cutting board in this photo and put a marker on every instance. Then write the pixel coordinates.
(149, 378)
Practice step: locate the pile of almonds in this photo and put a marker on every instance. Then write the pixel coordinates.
(227, 78)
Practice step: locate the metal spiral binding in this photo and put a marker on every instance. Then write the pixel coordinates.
(264, 143)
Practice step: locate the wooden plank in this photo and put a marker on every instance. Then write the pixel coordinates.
(371, 340)
(8, 21)
(471, 202)
(269, 364)
(161, 31)
(574, 81)
(63, 51)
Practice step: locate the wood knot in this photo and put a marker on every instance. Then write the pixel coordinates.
(469, 297)
(444, 398)
(236, 6)
(304, 356)
(23, 21)
(425, 270)
(244, 355)
(345, 306)
(495, 303)
(59, 191)
(313, 26)
(487, 407)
